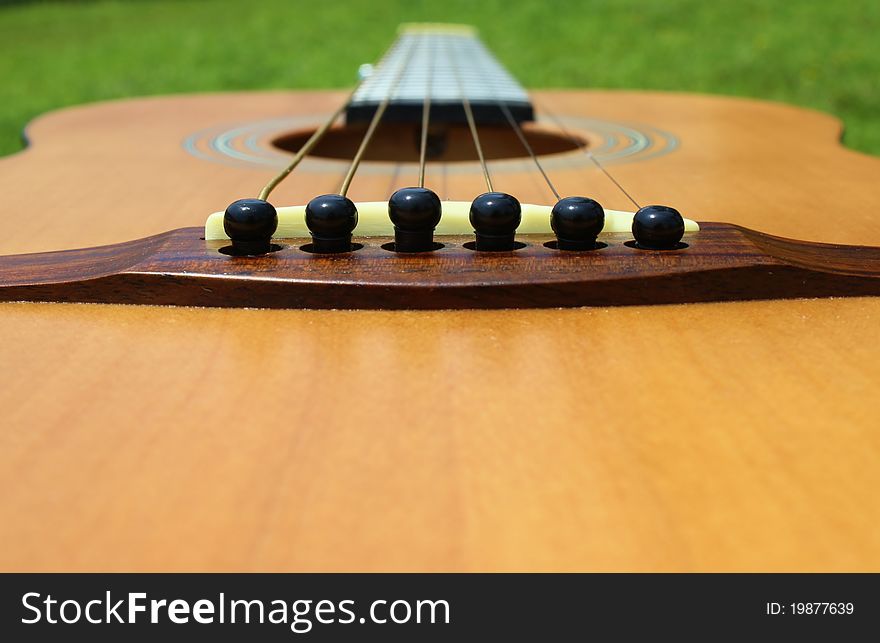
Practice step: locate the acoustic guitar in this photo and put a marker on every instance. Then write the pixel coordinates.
(439, 323)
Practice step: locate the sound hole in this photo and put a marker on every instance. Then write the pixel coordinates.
(399, 142)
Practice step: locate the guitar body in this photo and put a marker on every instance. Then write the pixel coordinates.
(730, 436)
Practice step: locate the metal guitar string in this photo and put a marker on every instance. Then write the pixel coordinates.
(583, 147)
(314, 139)
(469, 115)
(374, 123)
(522, 137)
(426, 117)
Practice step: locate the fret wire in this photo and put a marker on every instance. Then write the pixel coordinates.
(374, 123)
(469, 115)
(589, 153)
(314, 139)
(522, 137)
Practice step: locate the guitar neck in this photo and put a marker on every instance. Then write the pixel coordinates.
(445, 65)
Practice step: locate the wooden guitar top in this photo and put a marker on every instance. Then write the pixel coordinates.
(725, 436)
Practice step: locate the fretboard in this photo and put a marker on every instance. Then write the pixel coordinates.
(447, 63)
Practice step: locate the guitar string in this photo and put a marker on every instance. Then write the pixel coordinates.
(374, 123)
(589, 153)
(469, 115)
(319, 134)
(522, 137)
(426, 116)
(310, 144)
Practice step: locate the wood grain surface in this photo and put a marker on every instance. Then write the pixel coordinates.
(720, 262)
(735, 436)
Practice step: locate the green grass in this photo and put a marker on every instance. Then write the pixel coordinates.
(818, 53)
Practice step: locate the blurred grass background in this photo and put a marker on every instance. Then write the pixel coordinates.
(817, 53)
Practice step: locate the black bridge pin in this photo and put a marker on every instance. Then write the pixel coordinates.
(577, 221)
(658, 227)
(331, 219)
(415, 212)
(250, 224)
(495, 217)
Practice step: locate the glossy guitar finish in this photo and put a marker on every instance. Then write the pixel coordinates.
(732, 436)
(721, 262)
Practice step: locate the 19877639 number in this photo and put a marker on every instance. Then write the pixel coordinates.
(809, 608)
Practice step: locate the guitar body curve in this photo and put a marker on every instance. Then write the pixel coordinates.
(733, 436)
